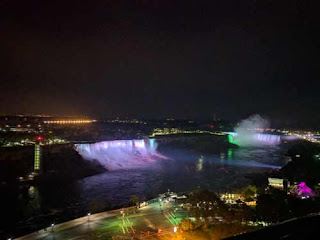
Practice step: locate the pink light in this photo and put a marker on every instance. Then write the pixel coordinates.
(304, 190)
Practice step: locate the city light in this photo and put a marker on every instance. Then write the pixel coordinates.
(39, 138)
(171, 131)
(76, 121)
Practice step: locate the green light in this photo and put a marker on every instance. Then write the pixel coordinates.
(229, 153)
(230, 138)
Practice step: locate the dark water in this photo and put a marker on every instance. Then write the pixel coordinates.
(182, 171)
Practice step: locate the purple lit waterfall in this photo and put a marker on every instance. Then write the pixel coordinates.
(267, 138)
(121, 154)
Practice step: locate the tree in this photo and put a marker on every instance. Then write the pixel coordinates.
(206, 206)
(186, 225)
(272, 207)
(249, 192)
(135, 199)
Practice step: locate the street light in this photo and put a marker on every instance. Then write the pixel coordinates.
(88, 216)
(52, 225)
(175, 229)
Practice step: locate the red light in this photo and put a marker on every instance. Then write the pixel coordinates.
(39, 138)
(212, 126)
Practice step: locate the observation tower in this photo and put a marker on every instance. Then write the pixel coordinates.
(37, 169)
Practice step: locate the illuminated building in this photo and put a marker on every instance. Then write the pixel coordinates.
(37, 155)
(231, 198)
(276, 182)
(279, 183)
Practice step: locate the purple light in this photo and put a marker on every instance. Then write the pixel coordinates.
(267, 138)
(303, 190)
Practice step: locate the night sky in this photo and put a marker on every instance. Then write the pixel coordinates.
(158, 58)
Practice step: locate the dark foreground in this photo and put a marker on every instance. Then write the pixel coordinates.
(294, 229)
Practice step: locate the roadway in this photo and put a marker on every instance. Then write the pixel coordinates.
(144, 224)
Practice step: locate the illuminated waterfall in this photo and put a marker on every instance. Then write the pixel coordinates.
(267, 138)
(253, 139)
(248, 132)
(121, 154)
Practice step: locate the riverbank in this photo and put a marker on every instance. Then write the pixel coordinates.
(59, 162)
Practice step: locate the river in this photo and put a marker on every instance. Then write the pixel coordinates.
(180, 171)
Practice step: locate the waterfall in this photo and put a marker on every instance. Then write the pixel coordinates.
(121, 154)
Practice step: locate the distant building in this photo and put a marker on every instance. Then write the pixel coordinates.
(278, 183)
(234, 198)
(231, 198)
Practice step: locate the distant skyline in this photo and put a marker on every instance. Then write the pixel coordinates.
(162, 59)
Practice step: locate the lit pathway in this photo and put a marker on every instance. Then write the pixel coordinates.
(147, 222)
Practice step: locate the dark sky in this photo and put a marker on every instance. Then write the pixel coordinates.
(158, 58)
